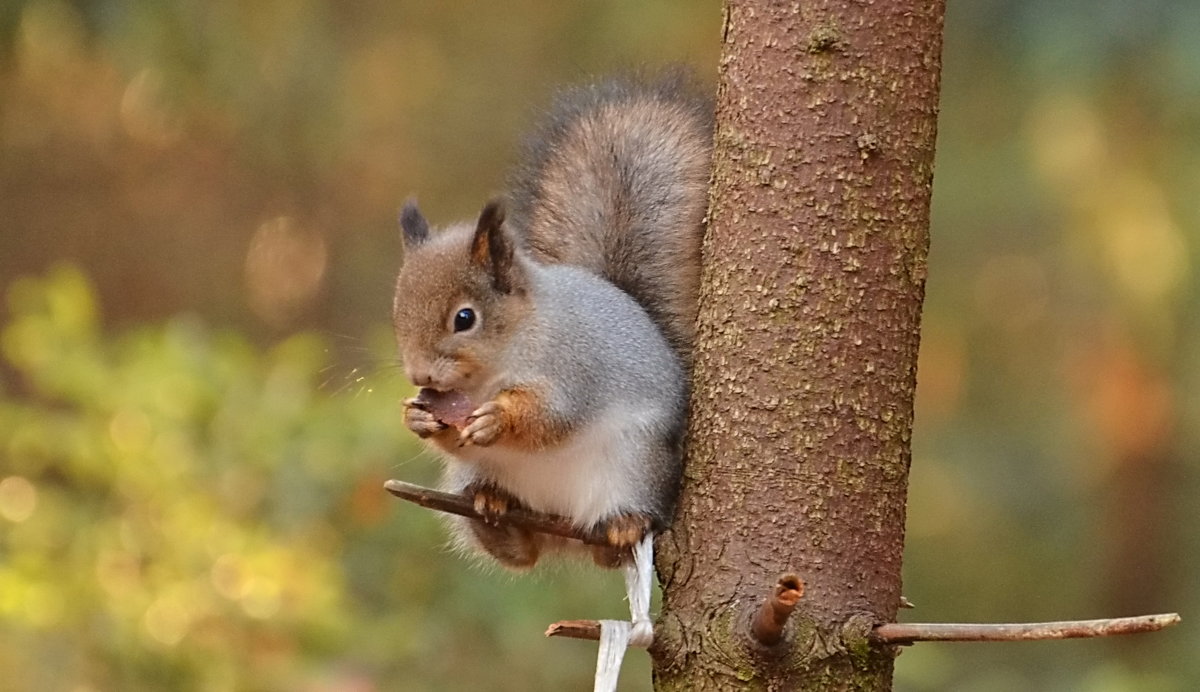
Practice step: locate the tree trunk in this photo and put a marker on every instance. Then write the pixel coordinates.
(806, 358)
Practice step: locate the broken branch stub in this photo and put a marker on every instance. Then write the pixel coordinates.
(772, 616)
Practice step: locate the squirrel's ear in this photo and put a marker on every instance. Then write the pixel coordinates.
(414, 225)
(492, 248)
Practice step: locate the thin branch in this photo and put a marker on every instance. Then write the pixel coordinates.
(907, 633)
(575, 629)
(465, 507)
(775, 610)
(898, 633)
(773, 614)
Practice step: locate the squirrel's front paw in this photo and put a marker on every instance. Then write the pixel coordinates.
(420, 421)
(484, 425)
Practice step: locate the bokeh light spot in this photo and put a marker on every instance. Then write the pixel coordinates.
(229, 578)
(144, 111)
(18, 499)
(284, 268)
(167, 621)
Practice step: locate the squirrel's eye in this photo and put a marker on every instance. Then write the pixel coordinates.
(464, 319)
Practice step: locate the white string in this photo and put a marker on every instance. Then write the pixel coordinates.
(618, 635)
(614, 639)
(638, 583)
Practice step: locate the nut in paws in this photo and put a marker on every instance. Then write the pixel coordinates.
(420, 421)
(484, 426)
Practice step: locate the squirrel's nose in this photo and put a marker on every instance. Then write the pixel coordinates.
(419, 376)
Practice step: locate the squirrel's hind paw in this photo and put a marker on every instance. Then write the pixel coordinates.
(512, 547)
(622, 532)
(490, 502)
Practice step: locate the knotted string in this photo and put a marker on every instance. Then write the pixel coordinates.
(618, 635)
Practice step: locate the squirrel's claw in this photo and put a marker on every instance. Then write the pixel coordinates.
(491, 503)
(422, 422)
(621, 532)
(484, 426)
(624, 531)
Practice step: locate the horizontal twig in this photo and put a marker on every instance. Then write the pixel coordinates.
(575, 629)
(773, 614)
(889, 633)
(465, 507)
(907, 633)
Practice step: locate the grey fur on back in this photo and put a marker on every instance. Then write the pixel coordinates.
(615, 180)
(651, 388)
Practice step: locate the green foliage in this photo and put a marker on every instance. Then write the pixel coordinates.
(183, 511)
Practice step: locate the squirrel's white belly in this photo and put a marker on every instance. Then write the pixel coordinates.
(598, 471)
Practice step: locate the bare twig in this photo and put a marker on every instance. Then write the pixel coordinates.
(768, 624)
(575, 629)
(901, 633)
(464, 506)
(897, 633)
(775, 610)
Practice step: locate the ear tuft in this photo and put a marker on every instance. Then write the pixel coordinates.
(492, 248)
(414, 225)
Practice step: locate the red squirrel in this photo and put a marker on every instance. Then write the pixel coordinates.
(552, 342)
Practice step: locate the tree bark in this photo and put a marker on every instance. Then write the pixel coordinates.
(798, 449)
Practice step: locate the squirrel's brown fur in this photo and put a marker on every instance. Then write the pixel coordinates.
(615, 180)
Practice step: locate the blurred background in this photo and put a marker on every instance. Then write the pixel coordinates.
(199, 399)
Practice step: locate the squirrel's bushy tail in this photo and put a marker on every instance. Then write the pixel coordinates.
(615, 180)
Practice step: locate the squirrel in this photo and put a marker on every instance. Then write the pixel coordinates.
(552, 342)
